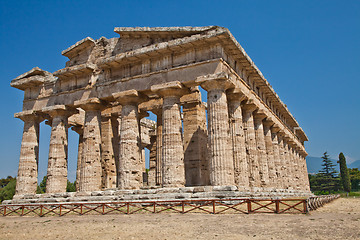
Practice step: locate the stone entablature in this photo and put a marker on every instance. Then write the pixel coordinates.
(107, 87)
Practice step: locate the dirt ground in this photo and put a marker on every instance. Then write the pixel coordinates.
(339, 219)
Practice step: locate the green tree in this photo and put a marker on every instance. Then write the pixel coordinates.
(42, 186)
(344, 173)
(70, 187)
(328, 169)
(7, 192)
(5, 181)
(355, 179)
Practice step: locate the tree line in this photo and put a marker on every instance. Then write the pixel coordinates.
(328, 180)
(7, 187)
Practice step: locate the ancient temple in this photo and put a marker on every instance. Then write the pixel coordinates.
(243, 136)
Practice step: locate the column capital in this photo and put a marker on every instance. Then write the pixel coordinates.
(235, 94)
(219, 83)
(249, 107)
(29, 115)
(90, 104)
(129, 97)
(268, 122)
(59, 110)
(170, 89)
(275, 128)
(259, 115)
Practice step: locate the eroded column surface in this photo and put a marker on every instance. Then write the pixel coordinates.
(241, 173)
(80, 131)
(283, 169)
(159, 140)
(261, 148)
(276, 156)
(250, 143)
(220, 143)
(195, 137)
(58, 152)
(108, 177)
(152, 160)
(173, 173)
(26, 181)
(305, 173)
(295, 182)
(130, 162)
(286, 162)
(90, 172)
(270, 152)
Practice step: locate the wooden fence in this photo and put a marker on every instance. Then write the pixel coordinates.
(211, 206)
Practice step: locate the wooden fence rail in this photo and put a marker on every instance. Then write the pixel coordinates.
(211, 206)
(314, 203)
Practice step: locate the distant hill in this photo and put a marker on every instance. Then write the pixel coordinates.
(314, 164)
(355, 164)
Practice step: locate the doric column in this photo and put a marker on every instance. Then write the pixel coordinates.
(250, 143)
(220, 147)
(283, 174)
(108, 176)
(173, 172)
(78, 129)
(152, 160)
(261, 148)
(305, 172)
(130, 161)
(287, 168)
(300, 170)
(58, 149)
(276, 155)
(196, 172)
(241, 173)
(292, 166)
(267, 124)
(90, 172)
(26, 181)
(159, 142)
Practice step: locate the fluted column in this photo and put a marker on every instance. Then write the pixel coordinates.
(270, 152)
(172, 159)
(287, 172)
(159, 140)
(196, 172)
(261, 148)
(90, 172)
(220, 143)
(80, 131)
(294, 181)
(276, 155)
(305, 173)
(241, 173)
(130, 161)
(283, 174)
(26, 181)
(152, 160)
(300, 170)
(108, 177)
(250, 143)
(58, 150)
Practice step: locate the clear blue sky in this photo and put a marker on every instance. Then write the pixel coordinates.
(308, 50)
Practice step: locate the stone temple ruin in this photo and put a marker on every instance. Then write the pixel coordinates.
(242, 142)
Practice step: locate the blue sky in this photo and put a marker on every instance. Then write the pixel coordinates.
(308, 50)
